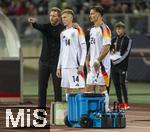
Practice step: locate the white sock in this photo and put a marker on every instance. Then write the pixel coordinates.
(106, 100)
(66, 97)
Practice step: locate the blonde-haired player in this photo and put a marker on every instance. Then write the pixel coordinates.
(98, 57)
(72, 55)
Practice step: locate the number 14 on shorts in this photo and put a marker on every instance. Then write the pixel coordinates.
(76, 80)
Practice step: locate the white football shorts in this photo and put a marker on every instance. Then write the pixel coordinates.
(71, 79)
(96, 78)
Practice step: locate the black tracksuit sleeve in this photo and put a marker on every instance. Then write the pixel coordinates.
(41, 27)
(126, 53)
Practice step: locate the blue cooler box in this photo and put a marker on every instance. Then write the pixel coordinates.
(83, 108)
(88, 111)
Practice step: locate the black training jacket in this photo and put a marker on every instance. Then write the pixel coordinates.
(123, 45)
(51, 42)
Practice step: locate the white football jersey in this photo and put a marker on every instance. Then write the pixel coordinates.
(73, 48)
(99, 36)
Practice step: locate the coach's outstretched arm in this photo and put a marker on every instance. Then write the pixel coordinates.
(41, 27)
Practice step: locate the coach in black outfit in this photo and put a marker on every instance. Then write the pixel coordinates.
(49, 55)
(121, 46)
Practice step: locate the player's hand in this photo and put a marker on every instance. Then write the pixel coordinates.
(80, 69)
(88, 66)
(31, 19)
(58, 73)
(96, 65)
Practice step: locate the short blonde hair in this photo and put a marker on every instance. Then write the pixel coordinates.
(68, 11)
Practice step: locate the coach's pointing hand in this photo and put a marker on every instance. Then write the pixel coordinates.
(31, 19)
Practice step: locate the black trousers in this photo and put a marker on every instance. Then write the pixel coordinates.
(119, 77)
(43, 77)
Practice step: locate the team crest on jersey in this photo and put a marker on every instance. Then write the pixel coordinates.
(64, 37)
